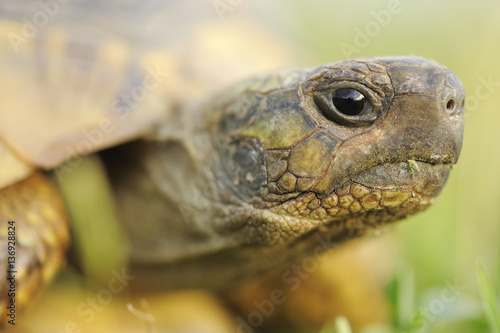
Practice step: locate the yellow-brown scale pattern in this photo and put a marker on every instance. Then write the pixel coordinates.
(352, 200)
(42, 237)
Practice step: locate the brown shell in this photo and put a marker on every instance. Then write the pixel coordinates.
(79, 76)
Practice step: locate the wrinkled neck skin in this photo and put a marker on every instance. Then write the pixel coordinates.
(264, 174)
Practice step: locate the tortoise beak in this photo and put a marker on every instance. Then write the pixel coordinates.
(424, 123)
(430, 101)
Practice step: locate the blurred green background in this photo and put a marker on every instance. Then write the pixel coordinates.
(444, 244)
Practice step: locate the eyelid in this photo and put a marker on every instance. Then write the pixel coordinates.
(323, 100)
(369, 94)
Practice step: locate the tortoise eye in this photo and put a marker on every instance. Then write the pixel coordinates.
(347, 106)
(349, 101)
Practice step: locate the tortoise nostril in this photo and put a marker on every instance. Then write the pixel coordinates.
(450, 105)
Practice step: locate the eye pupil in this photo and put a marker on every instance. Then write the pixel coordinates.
(349, 101)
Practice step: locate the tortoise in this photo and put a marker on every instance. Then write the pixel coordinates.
(209, 191)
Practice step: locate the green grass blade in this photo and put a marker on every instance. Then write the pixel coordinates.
(94, 220)
(340, 325)
(489, 298)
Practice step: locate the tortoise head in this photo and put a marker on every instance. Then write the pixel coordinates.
(289, 164)
(349, 146)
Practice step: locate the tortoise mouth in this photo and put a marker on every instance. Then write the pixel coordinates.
(424, 178)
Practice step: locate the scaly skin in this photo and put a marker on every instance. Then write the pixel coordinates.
(261, 175)
(39, 236)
